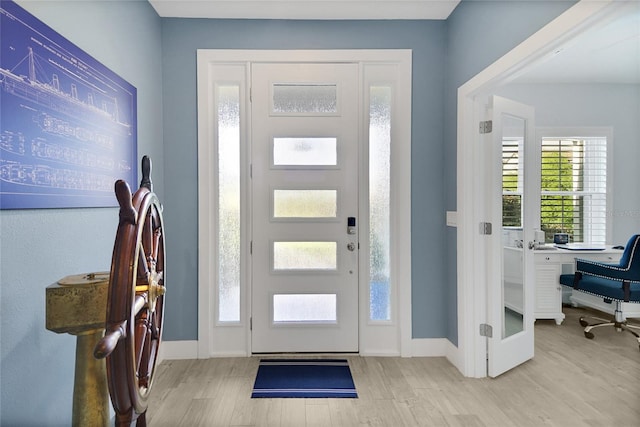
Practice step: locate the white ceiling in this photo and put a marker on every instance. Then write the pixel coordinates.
(608, 53)
(305, 9)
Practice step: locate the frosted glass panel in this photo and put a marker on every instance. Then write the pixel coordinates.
(379, 201)
(228, 99)
(305, 255)
(305, 98)
(305, 151)
(305, 203)
(304, 308)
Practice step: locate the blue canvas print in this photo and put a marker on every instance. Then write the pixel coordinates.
(67, 123)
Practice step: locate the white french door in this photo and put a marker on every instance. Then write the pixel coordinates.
(304, 186)
(513, 204)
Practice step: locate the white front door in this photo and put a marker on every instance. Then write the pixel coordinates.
(304, 124)
(513, 200)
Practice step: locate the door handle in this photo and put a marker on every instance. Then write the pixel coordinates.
(351, 246)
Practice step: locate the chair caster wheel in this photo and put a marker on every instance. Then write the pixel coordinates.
(583, 323)
(589, 335)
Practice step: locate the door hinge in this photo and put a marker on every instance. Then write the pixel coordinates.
(486, 126)
(486, 330)
(251, 247)
(251, 323)
(485, 228)
(251, 171)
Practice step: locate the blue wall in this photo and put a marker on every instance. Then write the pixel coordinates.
(475, 35)
(39, 247)
(478, 33)
(181, 38)
(158, 57)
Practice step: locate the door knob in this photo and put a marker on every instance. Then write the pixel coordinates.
(351, 246)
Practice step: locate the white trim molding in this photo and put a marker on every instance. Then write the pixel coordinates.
(178, 350)
(420, 347)
(387, 66)
(430, 347)
(472, 288)
(305, 9)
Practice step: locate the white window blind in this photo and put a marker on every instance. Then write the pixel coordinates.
(573, 183)
(512, 182)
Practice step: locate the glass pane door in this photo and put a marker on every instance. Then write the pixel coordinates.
(304, 196)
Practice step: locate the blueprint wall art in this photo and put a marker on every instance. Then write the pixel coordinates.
(67, 123)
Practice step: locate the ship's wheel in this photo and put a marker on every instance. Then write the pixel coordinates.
(135, 306)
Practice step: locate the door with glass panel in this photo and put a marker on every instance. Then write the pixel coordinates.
(304, 163)
(513, 206)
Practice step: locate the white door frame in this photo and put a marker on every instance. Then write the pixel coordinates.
(233, 339)
(471, 259)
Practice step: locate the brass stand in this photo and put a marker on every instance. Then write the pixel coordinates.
(77, 305)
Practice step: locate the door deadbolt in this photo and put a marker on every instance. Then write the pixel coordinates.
(351, 225)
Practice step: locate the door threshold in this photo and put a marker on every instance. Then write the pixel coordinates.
(306, 354)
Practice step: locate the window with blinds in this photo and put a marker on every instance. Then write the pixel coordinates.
(512, 182)
(573, 183)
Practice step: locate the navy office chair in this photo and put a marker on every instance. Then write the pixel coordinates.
(613, 282)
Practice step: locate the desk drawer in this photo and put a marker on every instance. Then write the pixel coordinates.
(601, 257)
(549, 257)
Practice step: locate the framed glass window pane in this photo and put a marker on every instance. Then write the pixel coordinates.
(512, 181)
(308, 151)
(307, 308)
(305, 256)
(305, 98)
(574, 188)
(228, 106)
(305, 203)
(379, 202)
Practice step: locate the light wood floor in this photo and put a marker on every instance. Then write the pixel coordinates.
(571, 381)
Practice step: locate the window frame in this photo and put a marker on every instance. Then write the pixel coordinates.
(584, 132)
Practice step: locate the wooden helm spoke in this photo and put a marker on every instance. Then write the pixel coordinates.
(157, 235)
(143, 266)
(142, 327)
(160, 254)
(147, 237)
(155, 328)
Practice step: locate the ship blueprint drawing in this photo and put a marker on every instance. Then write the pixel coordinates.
(67, 123)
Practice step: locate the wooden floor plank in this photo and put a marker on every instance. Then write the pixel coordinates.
(572, 381)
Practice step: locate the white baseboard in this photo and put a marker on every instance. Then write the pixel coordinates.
(429, 347)
(172, 350)
(420, 347)
(378, 353)
(437, 347)
(455, 357)
(230, 353)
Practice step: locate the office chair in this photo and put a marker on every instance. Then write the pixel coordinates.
(612, 282)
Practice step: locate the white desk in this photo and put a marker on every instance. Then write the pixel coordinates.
(550, 264)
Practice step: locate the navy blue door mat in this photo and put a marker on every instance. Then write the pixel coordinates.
(304, 378)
